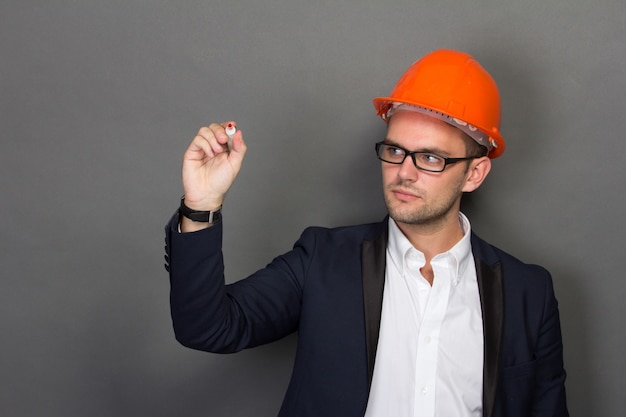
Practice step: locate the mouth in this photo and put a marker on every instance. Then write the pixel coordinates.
(405, 195)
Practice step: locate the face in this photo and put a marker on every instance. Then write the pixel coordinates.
(417, 197)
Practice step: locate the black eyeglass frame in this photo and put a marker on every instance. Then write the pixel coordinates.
(446, 160)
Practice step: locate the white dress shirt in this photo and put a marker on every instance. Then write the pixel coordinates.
(429, 360)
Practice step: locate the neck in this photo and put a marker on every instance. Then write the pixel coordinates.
(434, 238)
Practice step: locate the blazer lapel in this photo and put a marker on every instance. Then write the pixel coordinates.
(373, 260)
(492, 303)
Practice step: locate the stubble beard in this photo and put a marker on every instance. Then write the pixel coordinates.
(421, 212)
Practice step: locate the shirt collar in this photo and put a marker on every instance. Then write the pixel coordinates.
(458, 257)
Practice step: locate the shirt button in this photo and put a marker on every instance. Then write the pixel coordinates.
(427, 339)
(425, 390)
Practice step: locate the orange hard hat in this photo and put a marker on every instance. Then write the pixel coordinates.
(455, 88)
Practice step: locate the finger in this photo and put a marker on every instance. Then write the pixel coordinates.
(219, 131)
(199, 148)
(215, 138)
(224, 133)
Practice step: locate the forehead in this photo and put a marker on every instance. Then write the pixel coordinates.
(416, 131)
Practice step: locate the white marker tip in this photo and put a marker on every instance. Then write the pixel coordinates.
(230, 130)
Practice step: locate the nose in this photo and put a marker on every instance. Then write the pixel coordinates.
(408, 170)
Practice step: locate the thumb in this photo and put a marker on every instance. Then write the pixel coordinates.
(239, 149)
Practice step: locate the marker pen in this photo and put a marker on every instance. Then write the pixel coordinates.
(230, 131)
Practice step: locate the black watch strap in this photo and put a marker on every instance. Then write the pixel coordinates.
(200, 216)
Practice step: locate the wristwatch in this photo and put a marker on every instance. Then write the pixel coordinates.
(211, 217)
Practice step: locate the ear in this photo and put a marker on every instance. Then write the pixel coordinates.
(476, 173)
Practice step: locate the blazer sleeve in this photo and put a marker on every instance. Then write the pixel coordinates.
(550, 378)
(211, 316)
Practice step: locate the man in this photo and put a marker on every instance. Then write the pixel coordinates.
(413, 316)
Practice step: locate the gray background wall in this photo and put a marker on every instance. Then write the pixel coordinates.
(99, 100)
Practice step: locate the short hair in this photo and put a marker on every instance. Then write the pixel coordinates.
(473, 148)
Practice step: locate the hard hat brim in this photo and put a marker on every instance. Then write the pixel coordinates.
(494, 141)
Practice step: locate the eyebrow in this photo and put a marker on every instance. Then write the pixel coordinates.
(436, 151)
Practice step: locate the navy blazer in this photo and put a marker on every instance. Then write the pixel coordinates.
(329, 288)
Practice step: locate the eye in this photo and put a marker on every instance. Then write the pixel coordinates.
(429, 159)
(393, 152)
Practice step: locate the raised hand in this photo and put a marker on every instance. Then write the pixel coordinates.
(210, 168)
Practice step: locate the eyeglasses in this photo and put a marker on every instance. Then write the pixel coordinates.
(425, 161)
